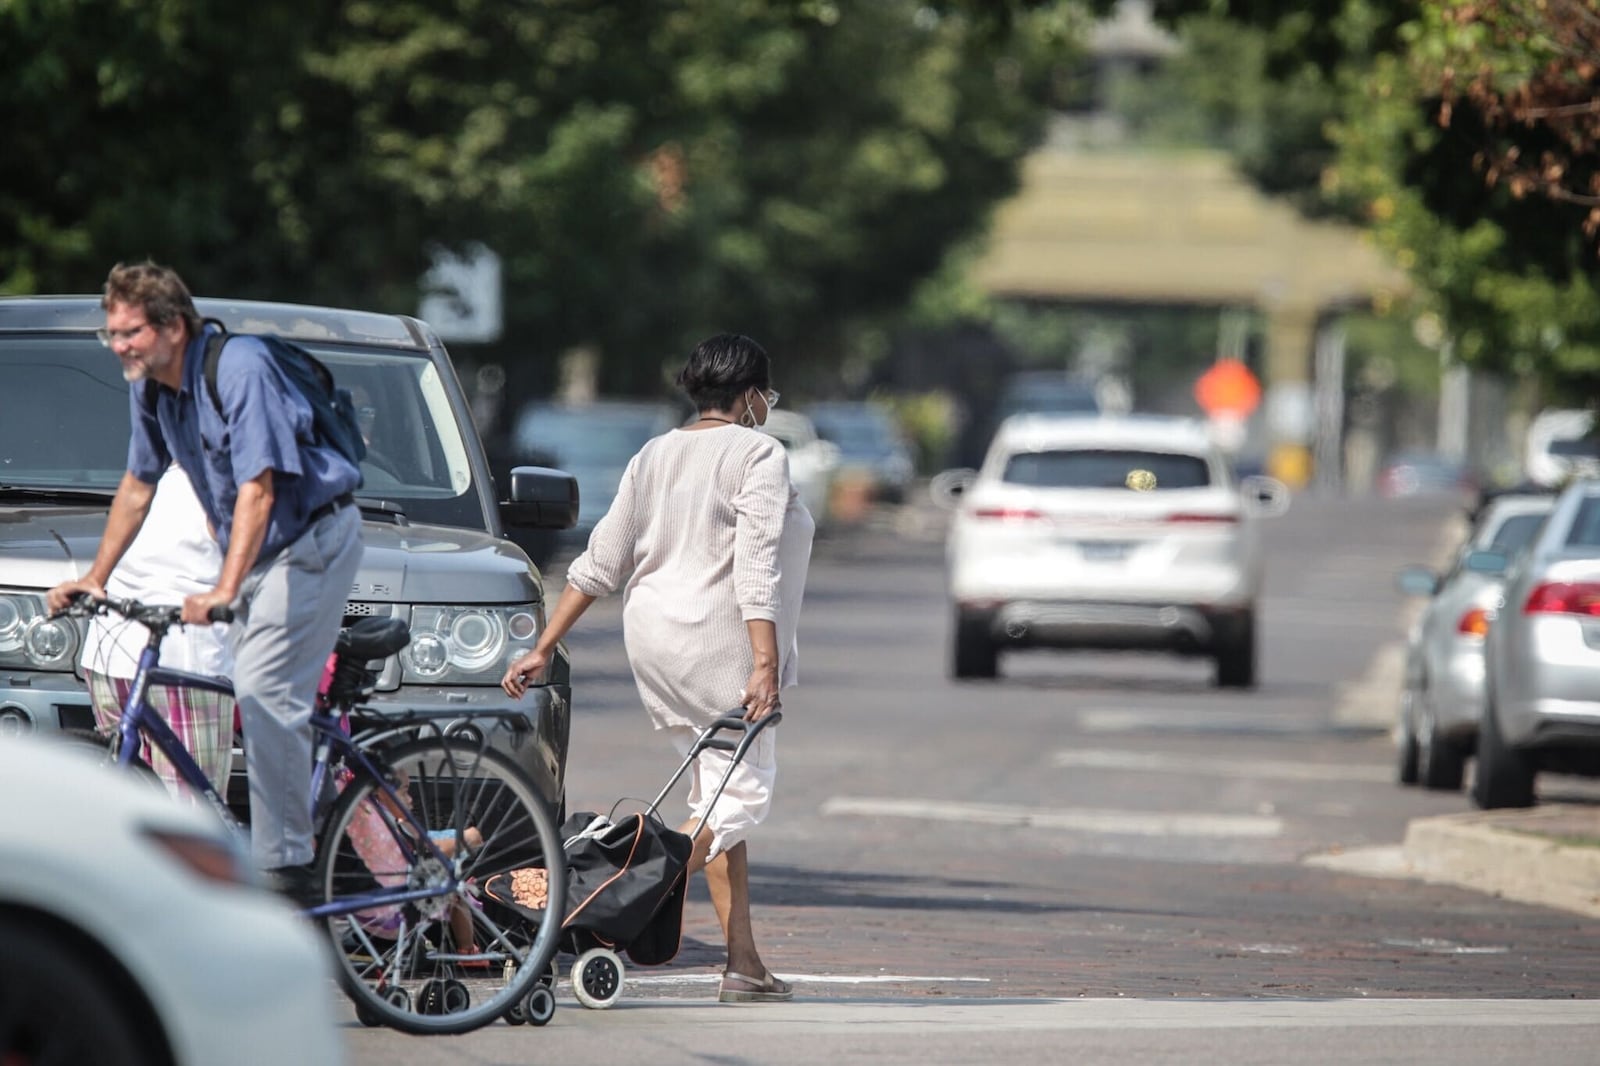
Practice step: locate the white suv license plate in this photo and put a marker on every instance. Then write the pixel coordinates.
(1104, 551)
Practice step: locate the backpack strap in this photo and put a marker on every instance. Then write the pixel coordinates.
(214, 345)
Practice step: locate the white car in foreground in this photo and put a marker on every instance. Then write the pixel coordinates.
(1118, 533)
(134, 933)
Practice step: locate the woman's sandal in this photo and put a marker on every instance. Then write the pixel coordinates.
(739, 988)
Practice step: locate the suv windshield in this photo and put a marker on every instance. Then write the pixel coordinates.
(1085, 469)
(416, 455)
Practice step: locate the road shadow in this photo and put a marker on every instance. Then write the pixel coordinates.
(780, 885)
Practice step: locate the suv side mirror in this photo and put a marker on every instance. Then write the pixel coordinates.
(1417, 581)
(541, 498)
(1266, 497)
(947, 487)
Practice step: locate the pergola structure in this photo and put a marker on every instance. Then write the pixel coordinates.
(1183, 228)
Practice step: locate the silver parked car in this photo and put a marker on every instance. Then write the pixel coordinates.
(1442, 695)
(1542, 657)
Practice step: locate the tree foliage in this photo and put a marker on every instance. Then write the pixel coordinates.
(648, 171)
(1463, 132)
(1512, 274)
(1530, 76)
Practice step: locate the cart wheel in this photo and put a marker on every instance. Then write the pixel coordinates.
(366, 1017)
(540, 1005)
(398, 998)
(430, 997)
(456, 997)
(597, 978)
(515, 1015)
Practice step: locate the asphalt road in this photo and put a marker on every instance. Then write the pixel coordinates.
(1096, 857)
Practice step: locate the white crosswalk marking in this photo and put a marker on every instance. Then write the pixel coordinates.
(1184, 720)
(1165, 763)
(1079, 819)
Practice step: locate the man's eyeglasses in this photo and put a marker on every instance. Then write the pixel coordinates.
(108, 337)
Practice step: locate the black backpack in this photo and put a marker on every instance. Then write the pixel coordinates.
(333, 409)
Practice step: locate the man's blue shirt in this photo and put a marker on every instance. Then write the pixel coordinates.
(266, 425)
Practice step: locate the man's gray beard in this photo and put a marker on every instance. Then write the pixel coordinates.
(132, 375)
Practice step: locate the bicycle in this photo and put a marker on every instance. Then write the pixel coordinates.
(415, 811)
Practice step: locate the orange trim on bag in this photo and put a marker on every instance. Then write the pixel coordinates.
(638, 833)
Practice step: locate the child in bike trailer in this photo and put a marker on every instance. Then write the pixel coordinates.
(379, 850)
(173, 556)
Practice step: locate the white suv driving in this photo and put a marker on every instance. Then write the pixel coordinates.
(1113, 533)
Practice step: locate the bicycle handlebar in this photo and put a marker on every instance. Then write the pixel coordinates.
(155, 616)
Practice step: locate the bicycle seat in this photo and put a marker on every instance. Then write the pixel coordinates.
(373, 638)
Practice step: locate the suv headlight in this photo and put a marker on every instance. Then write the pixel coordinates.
(467, 645)
(30, 639)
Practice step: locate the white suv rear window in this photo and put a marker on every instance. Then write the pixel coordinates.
(1106, 469)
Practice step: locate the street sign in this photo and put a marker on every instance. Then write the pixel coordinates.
(1228, 388)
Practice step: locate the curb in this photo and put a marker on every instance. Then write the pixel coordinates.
(1511, 854)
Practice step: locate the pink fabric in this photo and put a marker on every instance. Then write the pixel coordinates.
(375, 844)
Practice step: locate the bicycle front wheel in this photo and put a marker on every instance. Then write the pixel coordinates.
(459, 957)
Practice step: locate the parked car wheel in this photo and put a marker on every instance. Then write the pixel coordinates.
(975, 653)
(1406, 755)
(62, 1005)
(1236, 658)
(1441, 763)
(1505, 776)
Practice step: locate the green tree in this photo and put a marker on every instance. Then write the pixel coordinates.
(647, 171)
(1463, 132)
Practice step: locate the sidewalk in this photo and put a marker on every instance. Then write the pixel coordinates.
(1545, 855)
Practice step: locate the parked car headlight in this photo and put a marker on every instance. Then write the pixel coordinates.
(467, 645)
(30, 639)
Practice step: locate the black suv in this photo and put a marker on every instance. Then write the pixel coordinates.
(435, 554)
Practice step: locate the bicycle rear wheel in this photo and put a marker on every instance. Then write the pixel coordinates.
(453, 961)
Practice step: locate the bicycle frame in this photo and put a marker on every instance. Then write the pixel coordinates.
(139, 719)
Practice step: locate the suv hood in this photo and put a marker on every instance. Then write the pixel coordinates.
(400, 563)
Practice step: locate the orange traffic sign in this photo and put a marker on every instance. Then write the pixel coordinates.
(1228, 388)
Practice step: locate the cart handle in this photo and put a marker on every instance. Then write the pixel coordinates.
(708, 738)
(734, 719)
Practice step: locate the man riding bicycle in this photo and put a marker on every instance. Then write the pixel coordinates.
(280, 504)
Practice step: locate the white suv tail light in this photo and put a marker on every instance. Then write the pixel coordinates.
(1190, 518)
(1009, 514)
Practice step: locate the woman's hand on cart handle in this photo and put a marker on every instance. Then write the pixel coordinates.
(760, 695)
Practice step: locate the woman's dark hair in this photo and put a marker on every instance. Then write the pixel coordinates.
(721, 369)
(154, 289)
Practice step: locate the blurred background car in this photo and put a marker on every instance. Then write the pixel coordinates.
(1441, 699)
(870, 444)
(1411, 474)
(134, 931)
(1557, 439)
(591, 441)
(813, 462)
(1047, 392)
(1542, 659)
(1118, 533)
